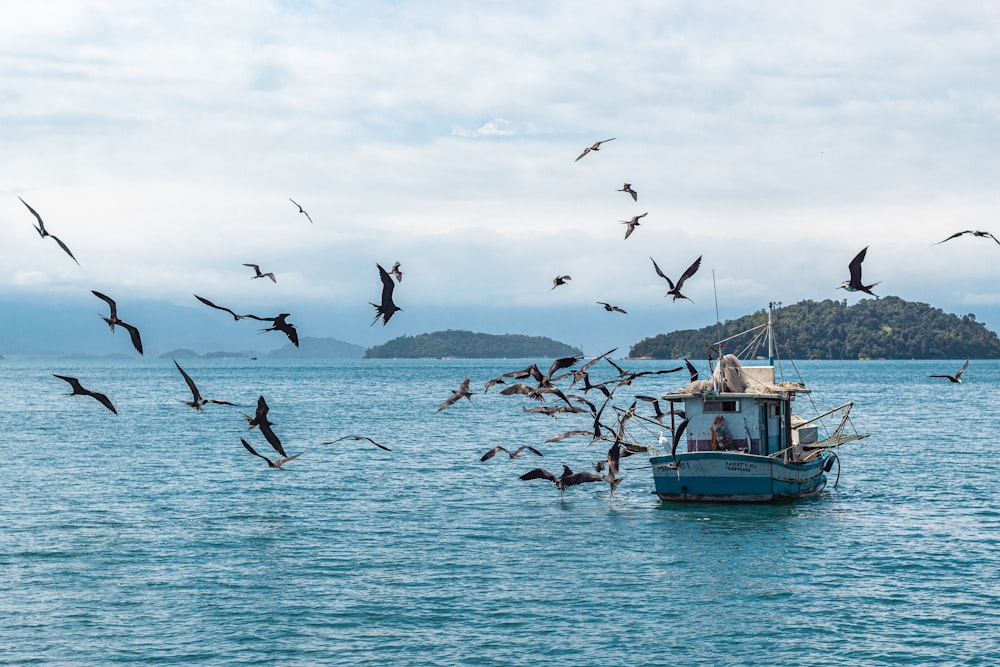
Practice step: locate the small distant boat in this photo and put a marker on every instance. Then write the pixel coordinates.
(740, 441)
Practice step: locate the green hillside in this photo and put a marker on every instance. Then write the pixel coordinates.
(469, 345)
(887, 328)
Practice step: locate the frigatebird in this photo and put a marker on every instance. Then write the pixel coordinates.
(633, 223)
(78, 390)
(611, 309)
(462, 391)
(40, 228)
(197, 402)
(358, 438)
(512, 454)
(855, 284)
(270, 464)
(278, 323)
(986, 235)
(260, 421)
(675, 289)
(560, 280)
(258, 273)
(231, 312)
(628, 188)
(567, 479)
(396, 273)
(596, 146)
(386, 309)
(957, 377)
(113, 320)
(301, 210)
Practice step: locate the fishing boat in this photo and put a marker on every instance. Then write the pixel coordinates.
(736, 438)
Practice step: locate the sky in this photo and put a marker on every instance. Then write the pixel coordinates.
(162, 142)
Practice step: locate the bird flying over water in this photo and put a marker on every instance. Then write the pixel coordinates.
(986, 235)
(559, 280)
(386, 309)
(197, 402)
(260, 421)
(78, 390)
(633, 223)
(278, 323)
(628, 188)
(40, 228)
(231, 312)
(462, 391)
(957, 377)
(596, 146)
(301, 210)
(270, 464)
(512, 454)
(396, 273)
(256, 270)
(855, 284)
(358, 438)
(567, 479)
(113, 320)
(675, 289)
(611, 309)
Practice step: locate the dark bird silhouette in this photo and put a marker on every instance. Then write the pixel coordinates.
(270, 464)
(261, 422)
(567, 479)
(512, 454)
(675, 289)
(692, 370)
(279, 323)
(396, 273)
(197, 402)
(386, 309)
(358, 438)
(611, 309)
(560, 280)
(633, 223)
(113, 320)
(78, 390)
(596, 146)
(301, 210)
(628, 188)
(530, 371)
(461, 392)
(677, 437)
(40, 228)
(985, 235)
(259, 416)
(258, 274)
(568, 434)
(231, 312)
(957, 377)
(855, 284)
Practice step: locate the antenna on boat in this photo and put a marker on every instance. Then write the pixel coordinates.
(718, 322)
(770, 331)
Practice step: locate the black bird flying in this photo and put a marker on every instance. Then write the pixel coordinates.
(40, 228)
(386, 309)
(855, 284)
(78, 390)
(957, 377)
(675, 289)
(113, 320)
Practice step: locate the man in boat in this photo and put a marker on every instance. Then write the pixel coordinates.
(720, 434)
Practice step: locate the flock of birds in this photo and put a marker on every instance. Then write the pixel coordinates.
(545, 384)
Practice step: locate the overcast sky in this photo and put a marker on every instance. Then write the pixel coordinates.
(161, 141)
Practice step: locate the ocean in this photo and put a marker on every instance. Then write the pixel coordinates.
(154, 537)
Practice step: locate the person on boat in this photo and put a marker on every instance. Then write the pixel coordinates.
(720, 434)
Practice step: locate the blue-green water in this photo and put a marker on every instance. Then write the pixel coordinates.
(153, 537)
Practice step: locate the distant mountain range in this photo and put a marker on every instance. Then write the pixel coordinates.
(469, 345)
(309, 348)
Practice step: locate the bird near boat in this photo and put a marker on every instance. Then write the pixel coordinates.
(461, 392)
(79, 390)
(258, 274)
(231, 312)
(396, 273)
(855, 284)
(633, 223)
(197, 402)
(358, 438)
(628, 189)
(985, 235)
(113, 320)
(560, 280)
(40, 228)
(596, 146)
(278, 463)
(692, 370)
(957, 377)
(611, 309)
(512, 454)
(569, 434)
(567, 479)
(675, 289)
(386, 308)
(280, 323)
(301, 210)
(677, 437)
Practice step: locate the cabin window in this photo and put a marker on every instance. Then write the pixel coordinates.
(721, 406)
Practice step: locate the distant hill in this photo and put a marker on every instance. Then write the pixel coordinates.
(317, 348)
(185, 353)
(469, 345)
(886, 328)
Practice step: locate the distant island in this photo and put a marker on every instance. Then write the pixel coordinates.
(886, 328)
(309, 348)
(469, 345)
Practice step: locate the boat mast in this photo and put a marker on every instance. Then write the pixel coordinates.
(770, 334)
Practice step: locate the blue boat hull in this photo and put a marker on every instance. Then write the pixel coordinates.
(734, 477)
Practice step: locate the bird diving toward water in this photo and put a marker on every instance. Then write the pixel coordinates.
(40, 228)
(462, 391)
(387, 308)
(396, 273)
(231, 312)
(596, 146)
(559, 280)
(855, 284)
(256, 270)
(986, 235)
(957, 377)
(611, 309)
(260, 421)
(567, 479)
(633, 223)
(278, 323)
(628, 188)
(270, 464)
(512, 454)
(113, 320)
(78, 390)
(301, 210)
(675, 289)
(358, 438)
(197, 402)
